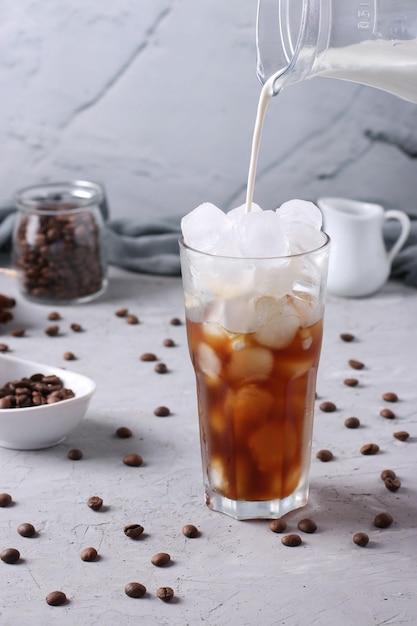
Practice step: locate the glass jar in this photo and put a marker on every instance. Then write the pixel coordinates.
(58, 242)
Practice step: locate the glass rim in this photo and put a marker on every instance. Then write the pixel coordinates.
(323, 246)
(76, 196)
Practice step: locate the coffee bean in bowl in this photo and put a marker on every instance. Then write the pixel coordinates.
(42, 426)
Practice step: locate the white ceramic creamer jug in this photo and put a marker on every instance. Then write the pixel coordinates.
(359, 263)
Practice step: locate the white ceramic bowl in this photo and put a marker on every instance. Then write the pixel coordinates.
(42, 426)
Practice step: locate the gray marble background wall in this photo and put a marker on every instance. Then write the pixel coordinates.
(157, 99)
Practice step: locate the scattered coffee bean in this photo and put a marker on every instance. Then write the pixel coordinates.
(165, 593)
(383, 520)
(89, 554)
(390, 396)
(133, 460)
(356, 365)
(169, 343)
(324, 455)
(95, 503)
(392, 484)
(351, 382)
(52, 331)
(388, 473)
(5, 499)
(347, 337)
(132, 319)
(327, 407)
(402, 435)
(54, 316)
(387, 413)
(124, 432)
(160, 559)
(135, 590)
(4, 347)
(277, 525)
(361, 539)
(369, 449)
(33, 391)
(77, 328)
(352, 422)
(10, 555)
(148, 356)
(133, 530)
(191, 531)
(161, 368)
(18, 332)
(291, 540)
(307, 525)
(162, 411)
(121, 312)
(75, 454)
(175, 321)
(69, 356)
(26, 530)
(56, 598)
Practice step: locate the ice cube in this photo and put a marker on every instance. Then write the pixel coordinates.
(208, 361)
(249, 362)
(205, 228)
(303, 237)
(260, 234)
(300, 211)
(278, 321)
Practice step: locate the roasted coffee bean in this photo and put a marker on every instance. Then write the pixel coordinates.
(327, 407)
(161, 368)
(307, 525)
(165, 593)
(387, 413)
(56, 598)
(160, 559)
(291, 540)
(33, 391)
(347, 337)
(402, 435)
(54, 316)
(162, 411)
(390, 396)
(124, 432)
(52, 331)
(356, 365)
(95, 503)
(133, 530)
(324, 455)
(18, 332)
(361, 539)
(121, 312)
(69, 356)
(75, 454)
(5, 499)
(26, 530)
(369, 449)
(135, 590)
(77, 328)
(175, 321)
(351, 382)
(132, 319)
(190, 531)
(169, 343)
(352, 422)
(10, 555)
(388, 473)
(88, 554)
(278, 525)
(6, 302)
(133, 460)
(148, 356)
(392, 484)
(383, 520)
(4, 347)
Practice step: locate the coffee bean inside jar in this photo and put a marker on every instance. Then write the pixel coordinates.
(58, 247)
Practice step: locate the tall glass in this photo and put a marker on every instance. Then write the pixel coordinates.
(254, 329)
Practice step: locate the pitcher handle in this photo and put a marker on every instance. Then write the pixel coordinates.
(405, 231)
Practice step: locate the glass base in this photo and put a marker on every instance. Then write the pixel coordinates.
(261, 509)
(50, 300)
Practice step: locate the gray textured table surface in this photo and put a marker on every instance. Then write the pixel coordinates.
(234, 572)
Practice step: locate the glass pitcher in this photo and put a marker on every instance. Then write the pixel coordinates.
(373, 42)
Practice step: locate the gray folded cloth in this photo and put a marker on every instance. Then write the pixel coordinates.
(151, 247)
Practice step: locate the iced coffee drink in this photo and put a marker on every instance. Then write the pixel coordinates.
(254, 288)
